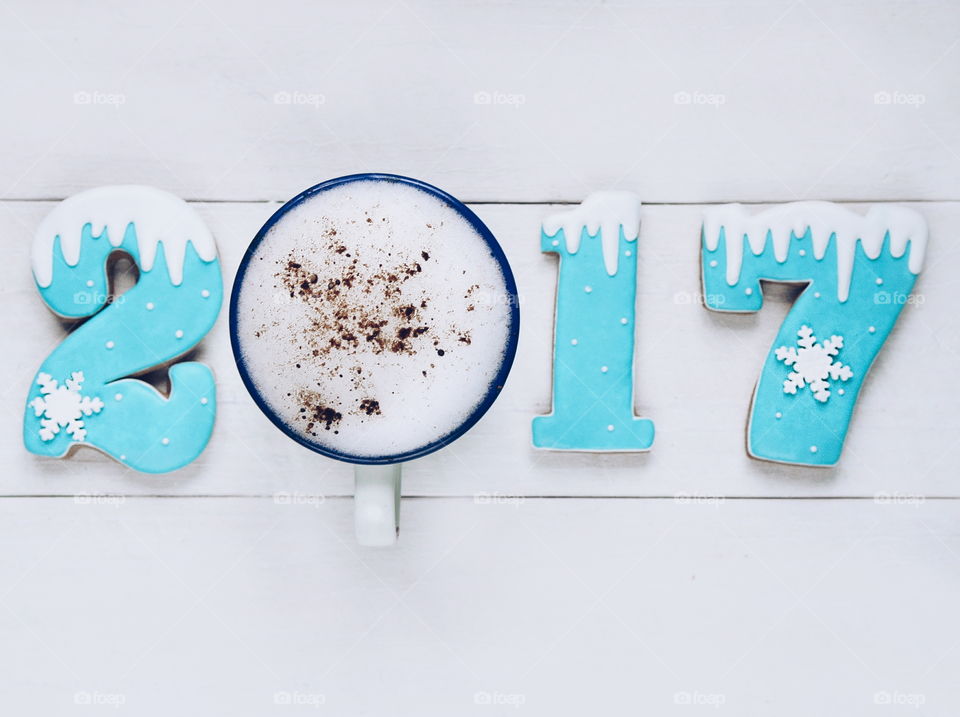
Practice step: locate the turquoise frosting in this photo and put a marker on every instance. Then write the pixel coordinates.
(593, 352)
(149, 326)
(796, 427)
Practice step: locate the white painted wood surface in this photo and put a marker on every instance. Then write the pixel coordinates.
(222, 606)
(581, 95)
(234, 586)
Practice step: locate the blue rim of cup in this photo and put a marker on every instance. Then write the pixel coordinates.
(496, 385)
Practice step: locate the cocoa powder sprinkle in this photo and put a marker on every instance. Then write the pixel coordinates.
(357, 306)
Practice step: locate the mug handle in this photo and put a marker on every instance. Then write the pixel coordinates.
(376, 510)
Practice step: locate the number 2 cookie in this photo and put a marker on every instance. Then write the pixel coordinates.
(594, 330)
(84, 393)
(858, 271)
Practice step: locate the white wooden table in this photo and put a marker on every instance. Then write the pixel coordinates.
(682, 581)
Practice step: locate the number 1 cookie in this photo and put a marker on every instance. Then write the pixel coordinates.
(594, 330)
(84, 392)
(858, 270)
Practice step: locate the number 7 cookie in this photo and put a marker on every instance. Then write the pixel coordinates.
(858, 271)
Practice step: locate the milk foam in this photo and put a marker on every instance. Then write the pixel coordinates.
(373, 318)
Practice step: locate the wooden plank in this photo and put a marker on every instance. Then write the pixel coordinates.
(558, 606)
(683, 102)
(695, 374)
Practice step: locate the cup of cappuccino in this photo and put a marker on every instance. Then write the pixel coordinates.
(374, 320)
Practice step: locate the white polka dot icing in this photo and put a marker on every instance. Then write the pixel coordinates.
(176, 260)
(597, 279)
(844, 256)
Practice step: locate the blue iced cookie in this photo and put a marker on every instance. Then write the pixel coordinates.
(858, 271)
(84, 393)
(594, 334)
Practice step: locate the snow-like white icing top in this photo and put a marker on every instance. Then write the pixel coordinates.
(824, 219)
(605, 212)
(158, 216)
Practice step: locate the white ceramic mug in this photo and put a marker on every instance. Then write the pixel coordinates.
(272, 334)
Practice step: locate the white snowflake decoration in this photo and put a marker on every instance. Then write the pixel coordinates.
(63, 406)
(813, 363)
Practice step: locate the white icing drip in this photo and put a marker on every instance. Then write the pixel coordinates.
(604, 212)
(824, 219)
(158, 216)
